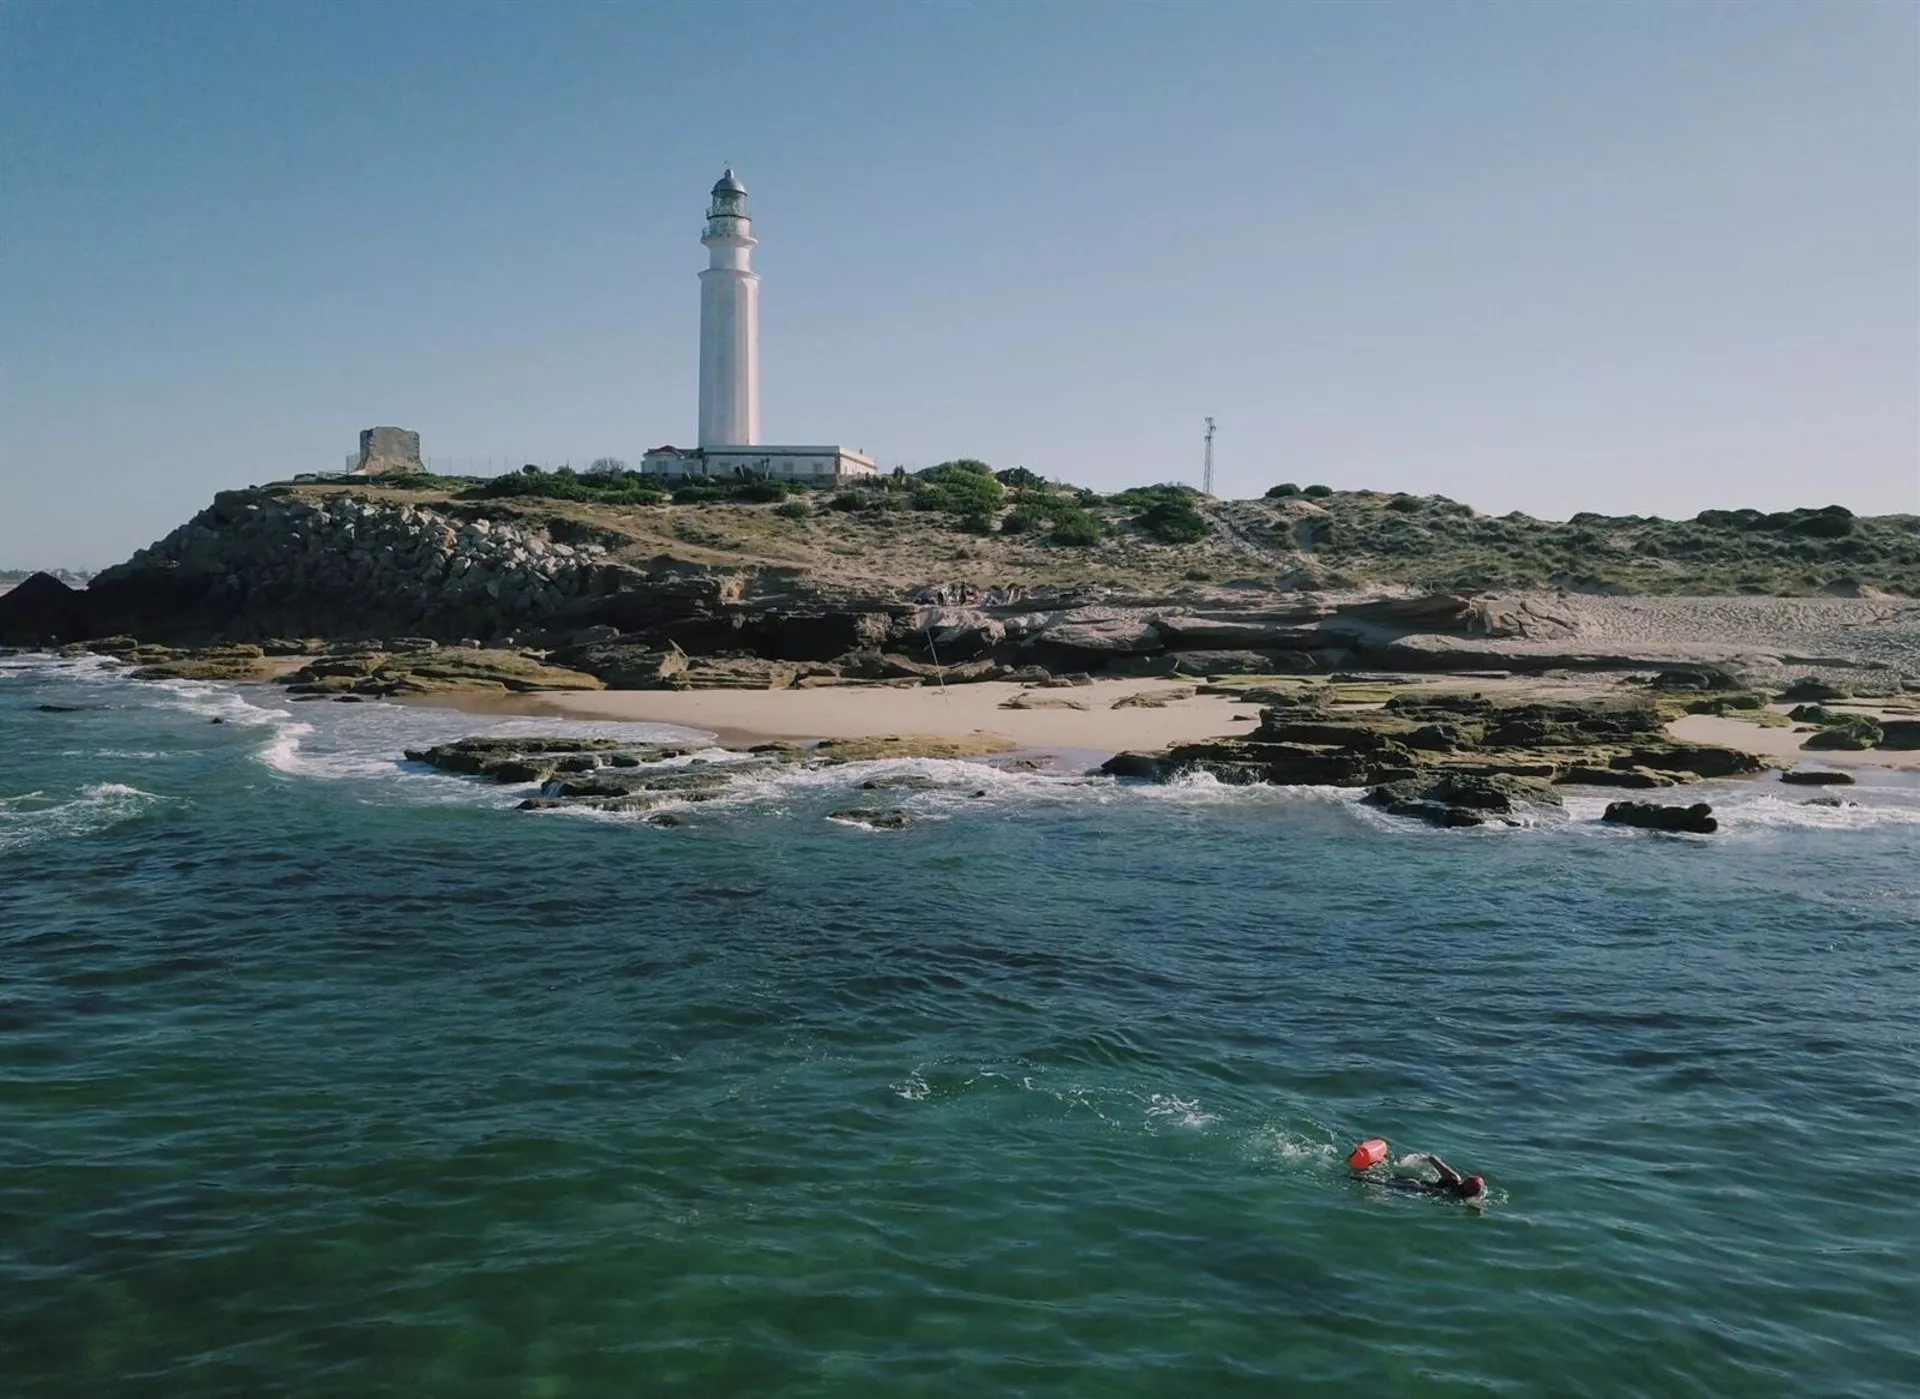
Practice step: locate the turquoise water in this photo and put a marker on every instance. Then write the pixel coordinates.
(324, 1076)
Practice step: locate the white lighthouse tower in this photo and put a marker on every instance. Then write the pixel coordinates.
(730, 444)
(729, 323)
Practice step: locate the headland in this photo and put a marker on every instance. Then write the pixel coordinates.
(1157, 623)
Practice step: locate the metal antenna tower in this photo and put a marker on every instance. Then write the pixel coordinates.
(1207, 472)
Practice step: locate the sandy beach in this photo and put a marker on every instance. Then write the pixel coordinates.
(1078, 717)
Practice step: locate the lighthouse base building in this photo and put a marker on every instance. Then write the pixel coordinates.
(730, 368)
(779, 463)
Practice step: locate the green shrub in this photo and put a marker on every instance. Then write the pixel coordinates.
(1174, 522)
(1019, 477)
(540, 486)
(1077, 530)
(958, 489)
(418, 481)
(960, 466)
(699, 494)
(848, 501)
(1823, 526)
(1282, 491)
(1407, 504)
(759, 492)
(1318, 492)
(1146, 497)
(793, 509)
(1022, 519)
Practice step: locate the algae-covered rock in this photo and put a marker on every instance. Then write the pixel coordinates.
(1422, 739)
(914, 746)
(1587, 775)
(1853, 733)
(1694, 759)
(481, 755)
(1814, 777)
(231, 663)
(435, 670)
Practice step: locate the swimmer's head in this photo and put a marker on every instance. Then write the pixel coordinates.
(1473, 1187)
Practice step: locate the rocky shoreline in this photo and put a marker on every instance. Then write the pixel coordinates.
(350, 594)
(295, 569)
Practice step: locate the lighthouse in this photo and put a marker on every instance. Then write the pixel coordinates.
(730, 444)
(729, 322)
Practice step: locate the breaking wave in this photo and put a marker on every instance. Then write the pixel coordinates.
(35, 818)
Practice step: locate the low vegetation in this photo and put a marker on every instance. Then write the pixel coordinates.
(1309, 536)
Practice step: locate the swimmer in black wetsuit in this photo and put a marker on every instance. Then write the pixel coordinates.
(1451, 1185)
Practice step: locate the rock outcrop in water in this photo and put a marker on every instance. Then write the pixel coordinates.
(609, 775)
(1651, 816)
(1449, 759)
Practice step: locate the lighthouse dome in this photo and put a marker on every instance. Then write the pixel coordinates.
(728, 183)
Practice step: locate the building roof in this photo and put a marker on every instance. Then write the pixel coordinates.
(729, 183)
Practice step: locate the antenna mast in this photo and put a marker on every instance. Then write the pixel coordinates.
(1207, 472)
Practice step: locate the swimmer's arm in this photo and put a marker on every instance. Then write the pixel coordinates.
(1448, 1176)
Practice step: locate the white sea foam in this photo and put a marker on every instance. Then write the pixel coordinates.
(1181, 1112)
(34, 818)
(914, 1088)
(364, 743)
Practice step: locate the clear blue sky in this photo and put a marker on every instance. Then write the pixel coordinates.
(1550, 257)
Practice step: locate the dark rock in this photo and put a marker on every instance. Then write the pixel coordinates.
(1902, 735)
(1731, 702)
(625, 665)
(1696, 819)
(1698, 759)
(41, 609)
(1458, 799)
(478, 755)
(899, 782)
(1699, 677)
(1828, 801)
(1587, 775)
(1811, 687)
(1811, 777)
(873, 818)
(63, 708)
(1854, 733)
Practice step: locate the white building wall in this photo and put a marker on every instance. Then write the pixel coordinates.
(729, 356)
(778, 463)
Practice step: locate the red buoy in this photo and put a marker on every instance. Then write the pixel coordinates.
(1369, 1153)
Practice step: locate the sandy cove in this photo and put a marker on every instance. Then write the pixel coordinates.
(955, 711)
(973, 710)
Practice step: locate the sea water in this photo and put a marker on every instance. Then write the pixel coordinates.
(324, 1074)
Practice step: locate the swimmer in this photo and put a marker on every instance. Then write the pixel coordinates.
(1451, 1184)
